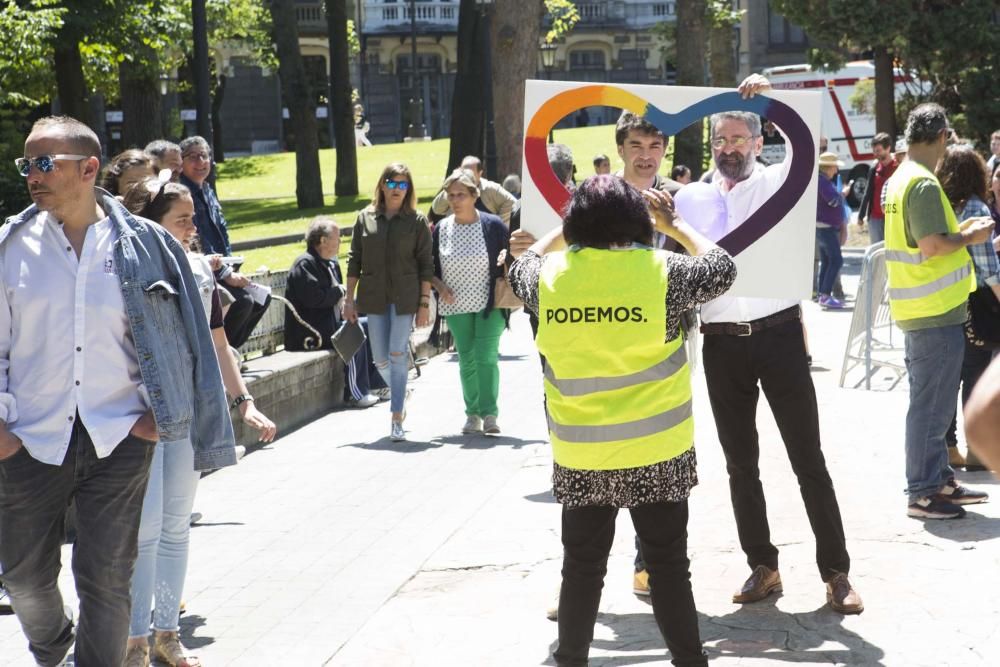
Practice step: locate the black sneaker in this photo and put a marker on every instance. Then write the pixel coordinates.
(953, 492)
(934, 507)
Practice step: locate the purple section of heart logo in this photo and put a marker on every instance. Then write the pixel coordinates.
(799, 176)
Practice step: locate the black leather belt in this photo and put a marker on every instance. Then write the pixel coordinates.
(755, 326)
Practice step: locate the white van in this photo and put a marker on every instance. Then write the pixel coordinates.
(849, 131)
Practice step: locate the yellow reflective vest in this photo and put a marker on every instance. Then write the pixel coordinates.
(618, 396)
(921, 286)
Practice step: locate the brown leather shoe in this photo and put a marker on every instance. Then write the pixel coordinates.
(762, 582)
(842, 596)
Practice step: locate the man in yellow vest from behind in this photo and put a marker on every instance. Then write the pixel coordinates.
(930, 277)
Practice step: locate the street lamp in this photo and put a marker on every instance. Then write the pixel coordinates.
(548, 50)
(417, 129)
(485, 9)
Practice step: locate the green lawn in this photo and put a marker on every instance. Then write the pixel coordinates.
(258, 192)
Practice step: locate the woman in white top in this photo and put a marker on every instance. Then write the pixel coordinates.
(161, 567)
(470, 248)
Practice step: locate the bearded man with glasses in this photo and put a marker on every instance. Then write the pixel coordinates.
(752, 344)
(103, 351)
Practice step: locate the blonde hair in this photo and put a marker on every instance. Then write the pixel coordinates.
(378, 199)
(466, 178)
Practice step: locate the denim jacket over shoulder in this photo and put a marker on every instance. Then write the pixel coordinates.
(174, 346)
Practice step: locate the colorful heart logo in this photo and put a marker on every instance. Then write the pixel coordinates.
(800, 172)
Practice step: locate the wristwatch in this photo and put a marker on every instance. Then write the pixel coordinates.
(241, 399)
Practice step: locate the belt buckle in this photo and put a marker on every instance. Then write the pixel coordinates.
(747, 325)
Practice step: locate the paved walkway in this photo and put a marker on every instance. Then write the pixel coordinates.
(335, 546)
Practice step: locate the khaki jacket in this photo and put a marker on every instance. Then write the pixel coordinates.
(497, 200)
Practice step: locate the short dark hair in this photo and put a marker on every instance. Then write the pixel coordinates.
(320, 228)
(679, 170)
(160, 147)
(926, 123)
(83, 139)
(151, 199)
(995, 135)
(629, 121)
(884, 140)
(133, 157)
(963, 175)
(191, 142)
(605, 210)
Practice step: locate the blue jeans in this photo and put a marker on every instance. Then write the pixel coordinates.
(163, 538)
(108, 496)
(934, 364)
(876, 230)
(390, 337)
(830, 259)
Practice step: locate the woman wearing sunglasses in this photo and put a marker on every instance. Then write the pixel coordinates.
(389, 273)
(161, 567)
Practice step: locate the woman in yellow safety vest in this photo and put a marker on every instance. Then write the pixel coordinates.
(618, 394)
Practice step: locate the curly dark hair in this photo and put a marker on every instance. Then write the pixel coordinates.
(963, 175)
(133, 157)
(605, 211)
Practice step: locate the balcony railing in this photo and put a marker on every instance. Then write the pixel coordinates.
(385, 16)
(626, 13)
(311, 16)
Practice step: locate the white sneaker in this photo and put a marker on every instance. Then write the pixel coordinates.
(406, 399)
(490, 425)
(365, 401)
(241, 451)
(397, 434)
(473, 424)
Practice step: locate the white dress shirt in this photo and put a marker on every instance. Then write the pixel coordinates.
(741, 201)
(65, 343)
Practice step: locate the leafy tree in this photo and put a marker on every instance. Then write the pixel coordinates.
(940, 40)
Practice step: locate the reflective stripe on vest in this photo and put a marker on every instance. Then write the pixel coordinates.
(921, 286)
(618, 396)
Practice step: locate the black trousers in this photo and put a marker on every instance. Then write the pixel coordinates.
(587, 535)
(776, 359)
(974, 364)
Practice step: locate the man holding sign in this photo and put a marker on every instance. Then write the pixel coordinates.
(756, 340)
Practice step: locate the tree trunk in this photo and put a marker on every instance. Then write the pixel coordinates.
(468, 111)
(514, 33)
(218, 152)
(885, 92)
(301, 105)
(71, 85)
(691, 39)
(722, 61)
(346, 183)
(139, 84)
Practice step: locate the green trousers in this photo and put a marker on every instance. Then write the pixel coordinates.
(477, 340)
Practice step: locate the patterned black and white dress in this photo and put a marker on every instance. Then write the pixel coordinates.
(465, 266)
(691, 281)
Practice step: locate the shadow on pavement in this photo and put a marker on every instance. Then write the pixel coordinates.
(543, 497)
(973, 528)
(761, 631)
(387, 445)
(189, 624)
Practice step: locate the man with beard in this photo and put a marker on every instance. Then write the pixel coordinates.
(753, 344)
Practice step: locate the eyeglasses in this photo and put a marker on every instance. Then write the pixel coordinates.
(392, 185)
(43, 163)
(735, 142)
(197, 157)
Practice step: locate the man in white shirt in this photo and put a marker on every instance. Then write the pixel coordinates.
(750, 341)
(76, 417)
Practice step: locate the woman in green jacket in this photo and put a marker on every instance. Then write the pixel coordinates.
(389, 272)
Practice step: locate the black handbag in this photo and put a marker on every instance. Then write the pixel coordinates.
(982, 329)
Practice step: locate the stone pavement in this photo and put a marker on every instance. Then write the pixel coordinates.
(335, 546)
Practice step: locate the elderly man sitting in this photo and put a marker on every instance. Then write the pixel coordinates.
(315, 289)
